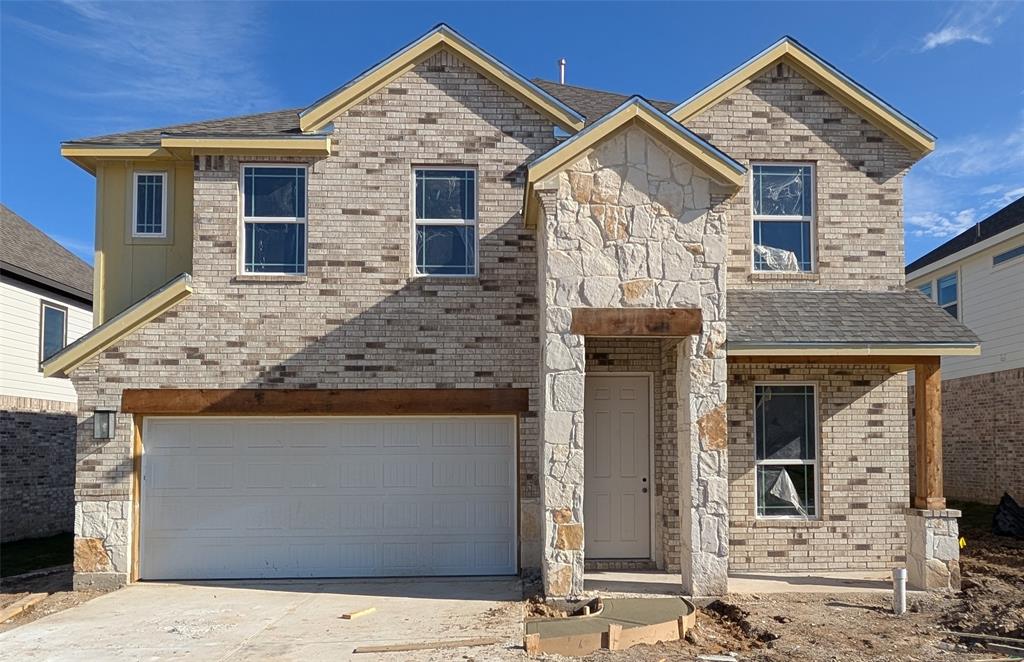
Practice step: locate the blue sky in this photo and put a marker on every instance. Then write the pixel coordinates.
(75, 69)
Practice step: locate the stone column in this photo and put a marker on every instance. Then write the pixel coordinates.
(933, 550)
(561, 419)
(703, 463)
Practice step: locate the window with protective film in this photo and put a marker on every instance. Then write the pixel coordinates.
(786, 457)
(274, 219)
(783, 206)
(445, 221)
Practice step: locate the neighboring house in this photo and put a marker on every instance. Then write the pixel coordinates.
(45, 303)
(978, 278)
(367, 337)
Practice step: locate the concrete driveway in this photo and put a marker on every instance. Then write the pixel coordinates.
(277, 620)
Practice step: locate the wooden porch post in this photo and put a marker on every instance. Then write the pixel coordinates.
(928, 428)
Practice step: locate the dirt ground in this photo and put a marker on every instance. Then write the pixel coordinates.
(855, 627)
(56, 583)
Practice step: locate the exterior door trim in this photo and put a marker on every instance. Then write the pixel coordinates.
(650, 446)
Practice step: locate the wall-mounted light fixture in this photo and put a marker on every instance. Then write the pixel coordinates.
(104, 423)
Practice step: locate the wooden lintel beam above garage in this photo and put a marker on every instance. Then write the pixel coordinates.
(327, 402)
(639, 322)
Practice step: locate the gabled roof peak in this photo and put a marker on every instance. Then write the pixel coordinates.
(822, 73)
(400, 62)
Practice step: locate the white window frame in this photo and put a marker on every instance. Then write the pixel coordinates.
(1010, 260)
(64, 310)
(957, 301)
(272, 219)
(163, 204)
(812, 234)
(474, 222)
(816, 461)
(931, 290)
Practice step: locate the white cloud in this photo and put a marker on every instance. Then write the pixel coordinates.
(934, 224)
(973, 22)
(978, 154)
(155, 61)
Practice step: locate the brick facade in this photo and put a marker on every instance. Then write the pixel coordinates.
(37, 474)
(982, 436)
(781, 116)
(357, 320)
(863, 493)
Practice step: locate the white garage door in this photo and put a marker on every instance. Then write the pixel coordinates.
(327, 497)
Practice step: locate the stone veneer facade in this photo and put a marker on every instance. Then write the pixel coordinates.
(633, 224)
(37, 476)
(629, 225)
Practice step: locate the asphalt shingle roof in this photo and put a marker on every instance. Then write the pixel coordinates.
(1008, 217)
(592, 104)
(276, 123)
(26, 250)
(802, 317)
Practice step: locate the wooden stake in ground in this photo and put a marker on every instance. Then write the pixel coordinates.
(428, 645)
(356, 614)
(21, 605)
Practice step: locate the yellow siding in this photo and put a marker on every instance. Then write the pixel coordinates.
(128, 269)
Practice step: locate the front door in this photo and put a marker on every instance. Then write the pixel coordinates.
(617, 460)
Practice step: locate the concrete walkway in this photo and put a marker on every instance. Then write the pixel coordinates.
(280, 620)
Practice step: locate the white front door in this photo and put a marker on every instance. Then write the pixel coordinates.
(328, 497)
(617, 460)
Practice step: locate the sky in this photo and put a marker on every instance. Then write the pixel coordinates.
(70, 70)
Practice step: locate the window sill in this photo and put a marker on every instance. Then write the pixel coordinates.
(270, 278)
(782, 523)
(784, 276)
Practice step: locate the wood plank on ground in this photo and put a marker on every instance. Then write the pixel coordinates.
(21, 605)
(428, 645)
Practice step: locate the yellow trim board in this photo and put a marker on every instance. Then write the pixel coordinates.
(319, 145)
(85, 156)
(840, 349)
(634, 111)
(442, 37)
(102, 337)
(844, 89)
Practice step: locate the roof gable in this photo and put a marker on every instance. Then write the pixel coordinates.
(634, 110)
(843, 88)
(441, 37)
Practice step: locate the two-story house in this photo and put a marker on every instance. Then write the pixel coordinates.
(977, 277)
(45, 303)
(450, 321)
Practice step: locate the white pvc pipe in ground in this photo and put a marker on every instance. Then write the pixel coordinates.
(899, 591)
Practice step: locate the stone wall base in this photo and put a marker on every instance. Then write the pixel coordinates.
(933, 550)
(99, 581)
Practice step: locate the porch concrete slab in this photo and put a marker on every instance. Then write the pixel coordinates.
(662, 583)
(281, 620)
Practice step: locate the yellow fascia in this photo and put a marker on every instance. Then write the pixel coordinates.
(790, 53)
(85, 156)
(312, 145)
(102, 337)
(863, 350)
(317, 116)
(632, 112)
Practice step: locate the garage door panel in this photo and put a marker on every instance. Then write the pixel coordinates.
(328, 497)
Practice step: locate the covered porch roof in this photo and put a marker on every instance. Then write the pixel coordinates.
(842, 323)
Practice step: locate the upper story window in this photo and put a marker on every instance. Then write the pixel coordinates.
(274, 219)
(783, 206)
(926, 289)
(948, 294)
(785, 446)
(150, 209)
(1006, 256)
(444, 217)
(53, 329)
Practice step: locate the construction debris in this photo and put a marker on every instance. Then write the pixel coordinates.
(428, 645)
(21, 605)
(356, 614)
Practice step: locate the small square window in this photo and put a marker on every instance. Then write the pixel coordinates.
(445, 222)
(150, 209)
